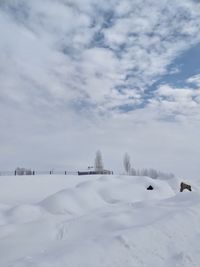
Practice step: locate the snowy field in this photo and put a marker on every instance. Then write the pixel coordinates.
(98, 221)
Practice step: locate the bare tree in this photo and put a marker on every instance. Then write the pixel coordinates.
(133, 172)
(151, 173)
(127, 163)
(98, 161)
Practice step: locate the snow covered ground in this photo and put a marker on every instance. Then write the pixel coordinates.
(97, 221)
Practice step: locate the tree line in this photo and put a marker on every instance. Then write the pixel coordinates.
(143, 172)
(150, 172)
(99, 168)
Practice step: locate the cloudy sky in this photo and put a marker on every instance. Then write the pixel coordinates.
(81, 75)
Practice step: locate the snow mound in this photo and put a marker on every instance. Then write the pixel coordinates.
(23, 213)
(72, 201)
(91, 195)
(102, 221)
(132, 189)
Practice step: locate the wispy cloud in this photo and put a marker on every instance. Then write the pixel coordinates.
(105, 53)
(195, 80)
(177, 103)
(66, 63)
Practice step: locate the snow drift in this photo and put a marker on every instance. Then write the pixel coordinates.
(61, 221)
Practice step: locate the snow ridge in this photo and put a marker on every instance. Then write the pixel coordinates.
(99, 221)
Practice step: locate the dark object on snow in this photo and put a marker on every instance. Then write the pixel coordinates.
(150, 187)
(23, 171)
(95, 172)
(185, 186)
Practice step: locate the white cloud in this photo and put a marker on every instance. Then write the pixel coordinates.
(181, 104)
(74, 50)
(62, 63)
(194, 80)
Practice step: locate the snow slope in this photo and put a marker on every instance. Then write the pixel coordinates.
(101, 221)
